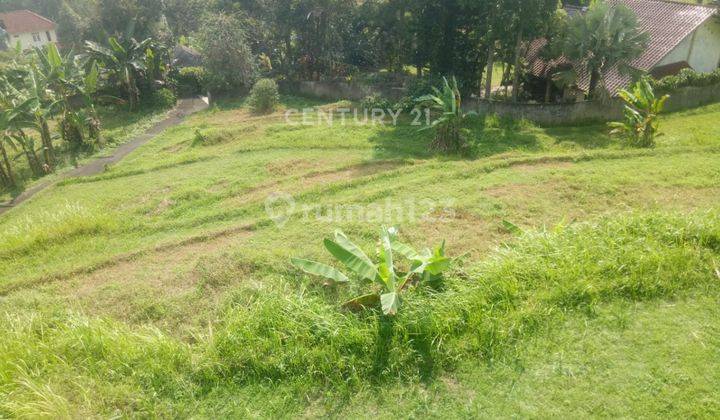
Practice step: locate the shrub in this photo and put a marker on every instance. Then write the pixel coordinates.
(264, 96)
(163, 98)
(191, 81)
(686, 78)
(375, 101)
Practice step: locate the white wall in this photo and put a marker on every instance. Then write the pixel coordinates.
(701, 49)
(27, 42)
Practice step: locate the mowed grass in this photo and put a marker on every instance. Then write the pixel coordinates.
(162, 287)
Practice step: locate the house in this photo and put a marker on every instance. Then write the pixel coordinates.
(682, 35)
(28, 28)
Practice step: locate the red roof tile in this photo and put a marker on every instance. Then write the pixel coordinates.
(24, 21)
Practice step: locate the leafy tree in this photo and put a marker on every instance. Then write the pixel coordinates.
(602, 38)
(112, 18)
(227, 58)
(184, 15)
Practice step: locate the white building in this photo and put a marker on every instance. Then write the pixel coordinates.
(27, 28)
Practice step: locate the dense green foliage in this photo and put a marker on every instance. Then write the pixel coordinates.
(264, 96)
(190, 81)
(40, 85)
(228, 61)
(686, 78)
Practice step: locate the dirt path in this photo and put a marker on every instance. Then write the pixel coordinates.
(185, 107)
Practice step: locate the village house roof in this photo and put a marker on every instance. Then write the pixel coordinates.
(24, 21)
(666, 23)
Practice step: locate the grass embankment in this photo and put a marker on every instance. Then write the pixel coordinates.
(163, 287)
(296, 339)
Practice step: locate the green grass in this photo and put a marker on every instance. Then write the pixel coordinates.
(162, 287)
(119, 126)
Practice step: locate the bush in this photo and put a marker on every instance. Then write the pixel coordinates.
(191, 81)
(163, 98)
(264, 96)
(375, 101)
(686, 78)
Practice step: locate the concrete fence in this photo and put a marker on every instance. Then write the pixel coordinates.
(546, 114)
(343, 90)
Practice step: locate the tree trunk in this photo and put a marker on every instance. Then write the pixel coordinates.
(6, 160)
(490, 65)
(4, 181)
(516, 69)
(48, 150)
(29, 148)
(594, 80)
(548, 89)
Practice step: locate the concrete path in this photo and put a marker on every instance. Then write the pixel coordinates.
(185, 107)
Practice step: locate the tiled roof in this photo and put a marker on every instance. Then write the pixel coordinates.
(24, 21)
(667, 24)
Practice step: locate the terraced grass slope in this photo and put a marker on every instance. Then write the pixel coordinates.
(162, 287)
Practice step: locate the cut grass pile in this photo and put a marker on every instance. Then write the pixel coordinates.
(296, 335)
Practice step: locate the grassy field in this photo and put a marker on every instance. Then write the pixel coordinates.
(162, 287)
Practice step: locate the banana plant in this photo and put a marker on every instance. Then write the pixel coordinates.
(424, 267)
(642, 110)
(126, 60)
(448, 102)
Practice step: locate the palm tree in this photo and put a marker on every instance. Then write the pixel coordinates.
(602, 38)
(126, 60)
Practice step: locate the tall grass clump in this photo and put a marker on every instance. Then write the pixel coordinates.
(67, 364)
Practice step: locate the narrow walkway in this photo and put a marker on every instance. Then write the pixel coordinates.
(185, 107)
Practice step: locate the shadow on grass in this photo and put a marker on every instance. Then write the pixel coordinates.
(595, 136)
(486, 136)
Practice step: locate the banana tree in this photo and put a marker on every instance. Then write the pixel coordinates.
(16, 117)
(448, 102)
(126, 60)
(6, 171)
(60, 75)
(391, 283)
(39, 101)
(642, 110)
